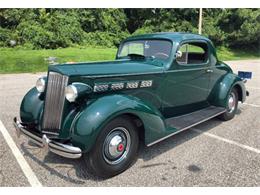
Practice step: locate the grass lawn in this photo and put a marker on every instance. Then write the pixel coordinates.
(19, 60)
(225, 54)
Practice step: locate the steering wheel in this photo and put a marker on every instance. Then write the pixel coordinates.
(161, 54)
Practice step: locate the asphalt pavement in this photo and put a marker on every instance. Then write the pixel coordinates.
(214, 153)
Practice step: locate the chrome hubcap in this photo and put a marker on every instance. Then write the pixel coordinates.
(231, 102)
(116, 145)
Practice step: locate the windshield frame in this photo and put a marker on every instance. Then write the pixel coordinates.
(146, 39)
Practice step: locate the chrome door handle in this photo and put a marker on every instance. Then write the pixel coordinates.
(209, 70)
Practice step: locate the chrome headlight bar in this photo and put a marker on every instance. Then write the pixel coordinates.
(132, 85)
(146, 83)
(102, 87)
(117, 86)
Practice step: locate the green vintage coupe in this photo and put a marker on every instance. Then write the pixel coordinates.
(159, 85)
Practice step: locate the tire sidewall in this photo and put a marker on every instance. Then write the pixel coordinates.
(229, 115)
(97, 161)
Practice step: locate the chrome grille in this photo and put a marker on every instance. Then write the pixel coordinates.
(54, 102)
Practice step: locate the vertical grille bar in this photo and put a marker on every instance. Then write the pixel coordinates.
(54, 102)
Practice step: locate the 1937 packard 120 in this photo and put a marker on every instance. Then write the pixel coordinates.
(159, 85)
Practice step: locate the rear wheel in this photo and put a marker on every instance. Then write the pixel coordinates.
(232, 103)
(115, 150)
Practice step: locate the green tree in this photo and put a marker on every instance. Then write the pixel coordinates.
(241, 27)
(54, 28)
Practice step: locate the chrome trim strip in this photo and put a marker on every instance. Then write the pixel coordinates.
(146, 73)
(186, 70)
(185, 128)
(120, 75)
(64, 150)
(50, 133)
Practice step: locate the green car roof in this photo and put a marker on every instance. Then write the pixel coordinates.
(173, 36)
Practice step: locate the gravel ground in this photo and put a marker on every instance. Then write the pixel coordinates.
(202, 156)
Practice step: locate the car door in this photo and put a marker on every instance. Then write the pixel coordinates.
(187, 80)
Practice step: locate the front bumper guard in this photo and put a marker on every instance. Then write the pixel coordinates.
(58, 148)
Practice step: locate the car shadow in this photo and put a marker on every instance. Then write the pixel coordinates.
(63, 168)
(148, 153)
(75, 169)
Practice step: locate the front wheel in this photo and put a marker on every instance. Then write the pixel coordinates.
(115, 149)
(232, 103)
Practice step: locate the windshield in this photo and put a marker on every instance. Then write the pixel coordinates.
(159, 49)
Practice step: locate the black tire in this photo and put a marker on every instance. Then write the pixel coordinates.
(98, 163)
(230, 113)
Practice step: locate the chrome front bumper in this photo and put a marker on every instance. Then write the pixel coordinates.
(43, 141)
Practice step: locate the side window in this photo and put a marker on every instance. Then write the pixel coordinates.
(192, 53)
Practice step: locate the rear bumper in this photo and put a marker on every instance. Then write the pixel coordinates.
(43, 141)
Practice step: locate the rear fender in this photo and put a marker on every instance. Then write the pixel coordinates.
(97, 114)
(219, 94)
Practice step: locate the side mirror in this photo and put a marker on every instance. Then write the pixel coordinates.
(178, 54)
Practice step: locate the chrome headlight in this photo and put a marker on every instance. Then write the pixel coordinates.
(77, 91)
(40, 84)
(71, 93)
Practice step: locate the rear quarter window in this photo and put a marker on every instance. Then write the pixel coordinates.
(193, 53)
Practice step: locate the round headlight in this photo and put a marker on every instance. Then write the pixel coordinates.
(71, 93)
(40, 84)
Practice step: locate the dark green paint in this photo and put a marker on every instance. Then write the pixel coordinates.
(176, 90)
(31, 107)
(109, 68)
(221, 89)
(97, 113)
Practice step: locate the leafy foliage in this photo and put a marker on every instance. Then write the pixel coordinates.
(5, 35)
(60, 28)
(241, 26)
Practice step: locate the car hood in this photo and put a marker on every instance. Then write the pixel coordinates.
(108, 68)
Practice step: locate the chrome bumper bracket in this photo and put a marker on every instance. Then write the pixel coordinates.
(58, 148)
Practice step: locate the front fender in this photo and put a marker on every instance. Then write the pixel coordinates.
(219, 94)
(97, 114)
(31, 107)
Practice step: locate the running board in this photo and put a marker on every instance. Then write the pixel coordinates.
(187, 121)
